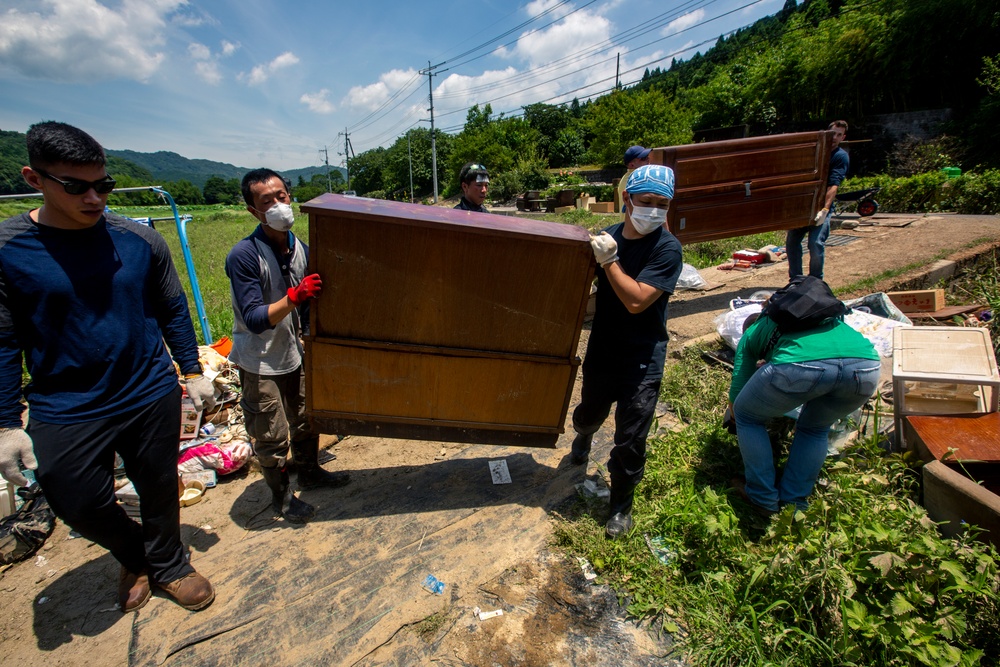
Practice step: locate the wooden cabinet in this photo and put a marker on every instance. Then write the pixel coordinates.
(442, 324)
(745, 186)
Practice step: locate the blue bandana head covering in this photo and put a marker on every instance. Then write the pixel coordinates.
(654, 178)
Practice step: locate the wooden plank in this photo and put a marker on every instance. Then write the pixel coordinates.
(406, 386)
(957, 438)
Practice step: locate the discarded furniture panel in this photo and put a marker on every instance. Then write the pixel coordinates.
(952, 499)
(746, 186)
(442, 324)
(942, 371)
(970, 444)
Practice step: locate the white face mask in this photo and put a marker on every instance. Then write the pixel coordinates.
(279, 217)
(646, 218)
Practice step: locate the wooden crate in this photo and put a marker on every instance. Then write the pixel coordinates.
(942, 371)
(746, 186)
(442, 324)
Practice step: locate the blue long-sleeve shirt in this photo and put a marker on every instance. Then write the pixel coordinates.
(89, 310)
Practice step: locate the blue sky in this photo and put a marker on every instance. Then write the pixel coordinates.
(268, 83)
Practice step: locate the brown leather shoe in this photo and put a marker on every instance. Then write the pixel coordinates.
(133, 590)
(192, 591)
(739, 485)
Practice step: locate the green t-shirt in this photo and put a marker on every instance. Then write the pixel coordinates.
(831, 340)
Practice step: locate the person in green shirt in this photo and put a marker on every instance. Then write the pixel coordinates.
(831, 371)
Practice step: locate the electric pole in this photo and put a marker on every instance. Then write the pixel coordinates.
(434, 161)
(409, 155)
(326, 161)
(348, 154)
(618, 69)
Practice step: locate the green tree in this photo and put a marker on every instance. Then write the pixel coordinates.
(498, 143)
(185, 193)
(365, 171)
(218, 190)
(624, 118)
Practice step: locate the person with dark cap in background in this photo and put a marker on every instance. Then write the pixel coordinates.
(475, 182)
(635, 157)
(271, 290)
(639, 263)
(87, 300)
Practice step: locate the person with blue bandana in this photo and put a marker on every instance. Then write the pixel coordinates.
(639, 261)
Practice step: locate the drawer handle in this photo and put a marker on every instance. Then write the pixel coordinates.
(747, 186)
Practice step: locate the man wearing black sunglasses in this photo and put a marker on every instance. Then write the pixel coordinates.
(87, 300)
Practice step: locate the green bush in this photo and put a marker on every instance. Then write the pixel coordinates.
(976, 193)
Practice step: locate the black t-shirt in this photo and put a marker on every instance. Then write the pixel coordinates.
(466, 205)
(623, 343)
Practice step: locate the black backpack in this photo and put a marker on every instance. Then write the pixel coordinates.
(804, 303)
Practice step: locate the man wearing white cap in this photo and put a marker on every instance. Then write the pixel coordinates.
(639, 263)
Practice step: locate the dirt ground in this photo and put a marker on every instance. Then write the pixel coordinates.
(345, 589)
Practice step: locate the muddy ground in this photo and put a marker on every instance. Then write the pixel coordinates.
(345, 589)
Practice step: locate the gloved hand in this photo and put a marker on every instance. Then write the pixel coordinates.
(201, 390)
(309, 288)
(820, 216)
(605, 248)
(15, 447)
(729, 420)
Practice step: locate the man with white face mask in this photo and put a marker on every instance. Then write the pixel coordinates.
(639, 263)
(270, 292)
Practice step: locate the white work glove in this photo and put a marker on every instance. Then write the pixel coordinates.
(201, 390)
(820, 216)
(605, 248)
(15, 447)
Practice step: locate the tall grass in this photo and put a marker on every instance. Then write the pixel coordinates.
(861, 578)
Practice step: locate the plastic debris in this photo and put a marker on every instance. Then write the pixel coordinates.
(433, 585)
(483, 615)
(499, 472)
(588, 569)
(659, 548)
(592, 489)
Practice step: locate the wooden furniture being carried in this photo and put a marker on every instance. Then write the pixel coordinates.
(441, 324)
(745, 186)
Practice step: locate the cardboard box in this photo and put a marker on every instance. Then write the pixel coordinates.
(565, 209)
(918, 301)
(585, 201)
(602, 207)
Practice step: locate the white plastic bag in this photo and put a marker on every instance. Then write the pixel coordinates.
(690, 278)
(730, 323)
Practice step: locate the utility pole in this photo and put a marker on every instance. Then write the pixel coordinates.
(326, 161)
(348, 154)
(434, 157)
(409, 155)
(618, 69)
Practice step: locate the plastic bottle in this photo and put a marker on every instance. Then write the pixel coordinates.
(432, 584)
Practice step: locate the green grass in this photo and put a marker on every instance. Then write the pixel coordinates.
(860, 578)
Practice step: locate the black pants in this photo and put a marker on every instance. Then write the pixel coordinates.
(636, 399)
(76, 471)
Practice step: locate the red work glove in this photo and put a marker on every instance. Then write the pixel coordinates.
(309, 288)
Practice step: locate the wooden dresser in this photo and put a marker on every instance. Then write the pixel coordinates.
(746, 186)
(441, 324)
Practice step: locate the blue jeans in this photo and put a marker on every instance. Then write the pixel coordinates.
(817, 248)
(827, 390)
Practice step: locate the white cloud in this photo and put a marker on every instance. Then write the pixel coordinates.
(317, 101)
(683, 22)
(84, 40)
(559, 40)
(371, 96)
(209, 72)
(262, 73)
(229, 48)
(199, 51)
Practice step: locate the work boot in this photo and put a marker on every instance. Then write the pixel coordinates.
(311, 474)
(192, 591)
(133, 590)
(580, 453)
(620, 510)
(283, 500)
